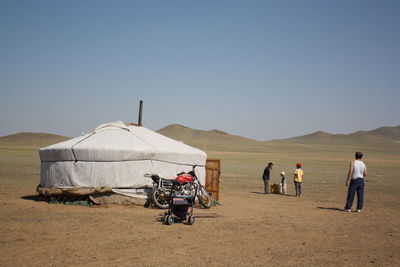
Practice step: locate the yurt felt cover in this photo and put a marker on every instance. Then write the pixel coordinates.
(117, 156)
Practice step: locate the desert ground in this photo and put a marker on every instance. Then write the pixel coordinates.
(248, 228)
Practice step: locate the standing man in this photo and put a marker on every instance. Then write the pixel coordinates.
(266, 177)
(357, 172)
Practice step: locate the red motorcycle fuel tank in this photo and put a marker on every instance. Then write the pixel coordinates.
(184, 178)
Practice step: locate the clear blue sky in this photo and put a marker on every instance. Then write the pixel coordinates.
(259, 69)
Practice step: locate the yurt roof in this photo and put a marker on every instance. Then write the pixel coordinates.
(118, 142)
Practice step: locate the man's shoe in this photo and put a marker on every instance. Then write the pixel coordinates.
(358, 210)
(347, 210)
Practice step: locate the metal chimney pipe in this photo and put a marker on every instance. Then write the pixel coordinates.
(140, 113)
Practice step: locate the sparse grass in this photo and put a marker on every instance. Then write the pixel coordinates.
(252, 229)
(19, 166)
(321, 168)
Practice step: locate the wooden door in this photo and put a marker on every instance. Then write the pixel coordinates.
(213, 172)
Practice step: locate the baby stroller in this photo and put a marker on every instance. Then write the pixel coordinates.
(180, 206)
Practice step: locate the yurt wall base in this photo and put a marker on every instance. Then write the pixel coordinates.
(114, 198)
(98, 196)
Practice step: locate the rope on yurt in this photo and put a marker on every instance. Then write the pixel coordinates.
(72, 147)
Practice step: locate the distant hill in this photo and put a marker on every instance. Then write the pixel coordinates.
(218, 140)
(31, 139)
(390, 133)
(222, 141)
(384, 136)
(208, 139)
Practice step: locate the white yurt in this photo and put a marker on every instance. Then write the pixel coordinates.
(115, 158)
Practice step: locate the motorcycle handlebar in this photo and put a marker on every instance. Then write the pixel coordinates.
(151, 175)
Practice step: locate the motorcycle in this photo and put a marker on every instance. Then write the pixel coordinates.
(161, 191)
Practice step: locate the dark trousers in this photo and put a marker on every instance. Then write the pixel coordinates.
(297, 186)
(266, 186)
(356, 185)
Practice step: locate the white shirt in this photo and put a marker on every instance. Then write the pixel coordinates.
(358, 169)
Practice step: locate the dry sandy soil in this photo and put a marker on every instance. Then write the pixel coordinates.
(248, 228)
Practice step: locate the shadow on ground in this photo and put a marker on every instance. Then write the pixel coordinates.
(262, 193)
(35, 198)
(61, 199)
(325, 208)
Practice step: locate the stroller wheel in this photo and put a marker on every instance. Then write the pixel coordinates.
(165, 217)
(191, 220)
(169, 219)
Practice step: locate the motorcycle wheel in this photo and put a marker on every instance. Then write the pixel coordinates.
(158, 200)
(205, 198)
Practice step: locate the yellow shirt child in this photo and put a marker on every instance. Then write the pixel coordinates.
(298, 175)
(298, 179)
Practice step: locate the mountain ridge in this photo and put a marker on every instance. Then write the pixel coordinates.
(385, 136)
(382, 136)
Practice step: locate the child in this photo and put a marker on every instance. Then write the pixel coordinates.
(283, 182)
(298, 179)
